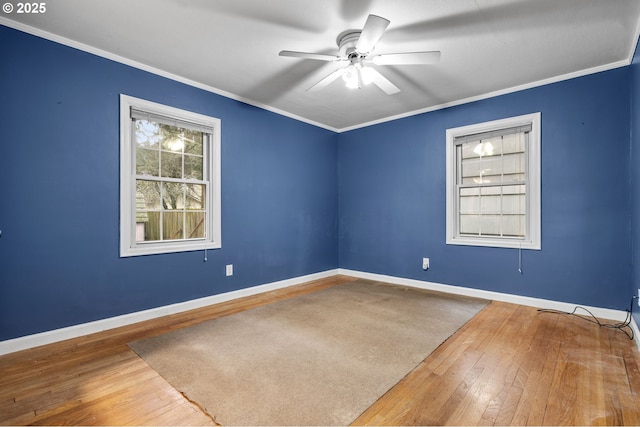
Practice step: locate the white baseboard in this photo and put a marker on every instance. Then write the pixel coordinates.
(56, 335)
(603, 313)
(49, 337)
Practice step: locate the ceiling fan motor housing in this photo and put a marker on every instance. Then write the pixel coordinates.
(347, 42)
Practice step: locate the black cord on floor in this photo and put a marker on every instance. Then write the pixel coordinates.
(623, 326)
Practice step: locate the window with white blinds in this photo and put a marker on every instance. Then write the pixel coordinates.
(493, 183)
(170, 179)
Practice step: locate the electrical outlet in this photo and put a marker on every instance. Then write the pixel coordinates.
(229, 269)
(425, 263)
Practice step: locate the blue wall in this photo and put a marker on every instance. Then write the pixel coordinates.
(634, 283)
(59, 193)
(296, 199)
(392, 196)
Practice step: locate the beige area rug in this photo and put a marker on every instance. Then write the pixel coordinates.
(316, 359)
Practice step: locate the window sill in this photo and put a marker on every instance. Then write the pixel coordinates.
(494, 243)
(166, 248)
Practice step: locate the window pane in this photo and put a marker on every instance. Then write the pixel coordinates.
(469, 224)
(493, 210)
(490, 205)
(513, 143)
(513, 204)
(490, 225)
(147, 162)
(195, 196)
(468, 149)
(494, 160)
(151, 227)
(147, 134)
(193, 167)
(195, 225)
(172, 195)
(172, 225)
(142, 220)
(513, 167)
(470, 201)
(171, 164)
(193, 142)
(513, 225)
(514, 199)
(172, 138)
(479, 170)
(173, 143)
(147, 195)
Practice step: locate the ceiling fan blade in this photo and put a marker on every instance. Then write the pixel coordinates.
(307, 55)
(383, 83)
(326, 81)
(409, 58)
(371, 33)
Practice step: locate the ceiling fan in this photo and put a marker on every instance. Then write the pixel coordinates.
(356, 49)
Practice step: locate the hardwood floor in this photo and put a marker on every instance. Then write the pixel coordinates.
(509, 365)
(513, 365)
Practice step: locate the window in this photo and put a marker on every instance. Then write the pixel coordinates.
(169, 179)
(493, 183)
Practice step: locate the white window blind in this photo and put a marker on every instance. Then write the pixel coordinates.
(491, 183)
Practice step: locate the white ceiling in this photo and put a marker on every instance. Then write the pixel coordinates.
(231, 47)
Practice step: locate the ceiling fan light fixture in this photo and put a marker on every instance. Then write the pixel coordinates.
(367, 75)
(351, 77)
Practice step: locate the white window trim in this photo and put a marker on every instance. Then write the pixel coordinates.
(533, 234)
(128, 246)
